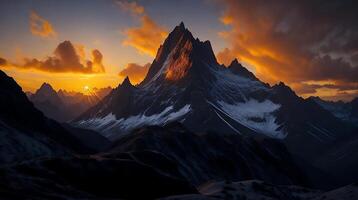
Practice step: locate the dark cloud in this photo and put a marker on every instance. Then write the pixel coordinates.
(326, 67)
(354, 58)
(341, 91)
(342, 95)
(66, 59)
(135, 72)
(294, 41)
(305, 88)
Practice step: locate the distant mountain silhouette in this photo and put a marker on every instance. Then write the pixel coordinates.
(65, 106)
(346, 111)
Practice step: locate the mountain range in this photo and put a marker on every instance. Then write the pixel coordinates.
(64, 106)
(192, 129)
(185, 83)
(43, 159)
(346, 111)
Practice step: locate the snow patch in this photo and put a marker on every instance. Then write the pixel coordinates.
(109, 124)
(230, 86)
(255, 115)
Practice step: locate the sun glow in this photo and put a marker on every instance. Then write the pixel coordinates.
(86, 89)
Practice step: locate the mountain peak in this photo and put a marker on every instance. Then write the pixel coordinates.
(126, 82)
(179, 30)
(237, 68)
(46, 86)
(46, 93)
(179, 53)
(126, 85)
(46, 89)
(181, 26)
(235, 62)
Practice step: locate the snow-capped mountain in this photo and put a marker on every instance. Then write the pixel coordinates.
(185, 83)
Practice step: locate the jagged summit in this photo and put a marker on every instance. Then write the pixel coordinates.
(180, 29)
(126, 82)
(45, 97)
(177, 56)
(235, 62)
(237, 68)
(125, 87)
(46, 86)
(46, 89)
(181, 25)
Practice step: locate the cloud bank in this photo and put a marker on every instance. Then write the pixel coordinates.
(65, 59)
(296, 42)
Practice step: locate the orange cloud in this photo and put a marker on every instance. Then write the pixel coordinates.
(135, 72)
(40, 26)
(148, 36)
(289, 42)
(133, 7)
(226, 56)
(65, 59)
(97, 58)
(226, 19)
(81, 51)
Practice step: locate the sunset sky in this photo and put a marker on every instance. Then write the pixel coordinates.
(310, 45)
